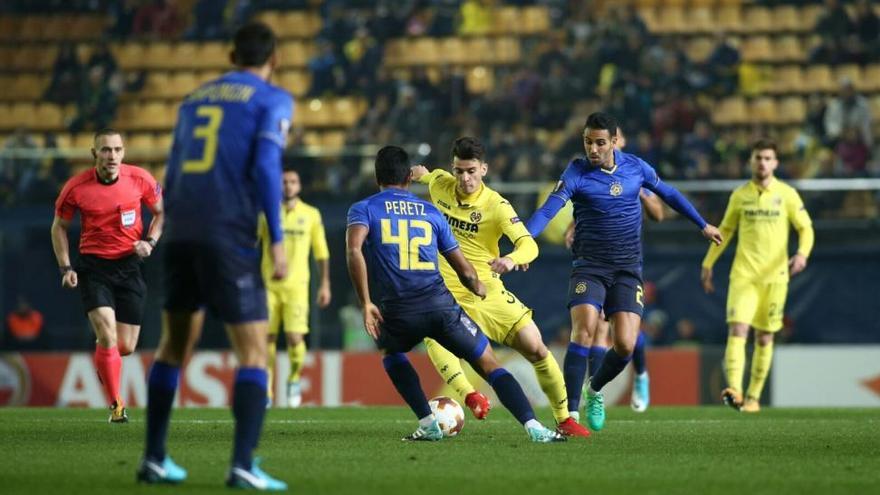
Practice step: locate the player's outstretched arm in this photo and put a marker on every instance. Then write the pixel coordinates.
(539, 220)
(355, 236)
(466, 272)
(679, 203)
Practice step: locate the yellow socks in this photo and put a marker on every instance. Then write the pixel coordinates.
(735, 362)
(553, 384)
(270, 369)
(297, 356)
(762, 358)
(449, 367)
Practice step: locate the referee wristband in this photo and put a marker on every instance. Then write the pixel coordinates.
(66, 268)
(152, 242)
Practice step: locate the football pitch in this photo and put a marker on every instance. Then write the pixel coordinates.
(695, 450)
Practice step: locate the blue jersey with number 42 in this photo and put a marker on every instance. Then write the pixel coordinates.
(210, 192)
(406, 236)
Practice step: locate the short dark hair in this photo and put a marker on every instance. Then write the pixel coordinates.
(253, 44)
(392, 166)
(106, 131)
(765, 144)
(289, 168)
(468, 148)
(600, 120)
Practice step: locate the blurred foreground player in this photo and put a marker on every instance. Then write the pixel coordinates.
(224, 169)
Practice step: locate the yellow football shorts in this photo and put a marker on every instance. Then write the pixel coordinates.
(761, 305)
(500, 316)
(288, 306)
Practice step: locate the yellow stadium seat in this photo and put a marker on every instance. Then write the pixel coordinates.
(507, 50)
(479, 50)
(48, 117)
(757, 48)
(34, 57)
(852, 72)
(182, 83)
(764, 110)
(819, 78)
(871, 81)
(271, 18)
(453, 51)
(157, 84)
(158, 55)
(699, 48)
(23, 114)
(792, 110)
(787, 18)
(26, 87)
(787, 79)
(181, 56)
(757, 20)
(788, 48)
(295, 81)
(294, 54)
(31, 28)
(333, 140)
(535, 19)
(699, 20)
(730, 111)
(346, 111)
(212, 56)
(8, 28)
(506, 20)
(139, 144)
(729, 18)
(163, 142)
(395, 52)
(128, 55)
(6, 120)
(83, 140)
(313, 113)
(671, 20)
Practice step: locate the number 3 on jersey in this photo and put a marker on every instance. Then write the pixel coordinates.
(408, 247)
(208, 132)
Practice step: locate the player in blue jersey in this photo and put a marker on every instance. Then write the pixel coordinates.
(223, 170)
(607, 268)
(403, 236)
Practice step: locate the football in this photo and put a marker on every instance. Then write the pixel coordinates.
(449, 414)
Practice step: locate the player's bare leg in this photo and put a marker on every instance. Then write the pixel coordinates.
(108, 359)
(762, 358)
(530, 345)
(734, 364)
(180, 332)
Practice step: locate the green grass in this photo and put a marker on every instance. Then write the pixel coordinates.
(357, 451)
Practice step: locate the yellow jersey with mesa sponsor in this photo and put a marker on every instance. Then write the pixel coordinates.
(303, 234)
(762, 215)
(478, 225)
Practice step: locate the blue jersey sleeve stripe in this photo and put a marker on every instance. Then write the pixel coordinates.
(453, 248)
(358, 222)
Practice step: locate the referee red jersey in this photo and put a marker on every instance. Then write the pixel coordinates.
(110, 214)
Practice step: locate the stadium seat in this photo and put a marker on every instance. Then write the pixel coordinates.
(730, 111)
(34, 57)
(852, 72)
(757, 20)
(425, 51)
(757, 48)
(507, 50)
(787, 18)
(345, 112)
(9, 28)
(333, 140)
(182, 83)
(671, 20)
(788, 48)
(138, 145)
(819, 78)
(506, 20)
(764, 110)
(159, 55)
(729, 18)
(787, 79)
(792, 110)
(128, 55)
(212, 56)
(699, 48)
(535, 19)
(157, 85)
(82, 140)
(479, 50)
(453, 51)
(699, 20)
(163, 142)
(294, 54)
(295, 81)
(48, 117)
(871, 81)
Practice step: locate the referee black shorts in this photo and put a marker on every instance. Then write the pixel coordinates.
(117, 283)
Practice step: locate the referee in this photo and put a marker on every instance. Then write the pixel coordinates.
(108, 272)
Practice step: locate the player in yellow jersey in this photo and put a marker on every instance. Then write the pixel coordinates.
(479, 217)
(288, 298)
(761, 210)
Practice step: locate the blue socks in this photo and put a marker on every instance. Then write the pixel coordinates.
(511, 394)
(574, 369)
(406, 381)
(639, 354)
(597, 353)
(249, 409)
(611, 366)
(161, 387)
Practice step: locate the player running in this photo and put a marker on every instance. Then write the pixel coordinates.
(478, 216)
(761, 210)
(403, 235)
(607, 267)
(224, 168)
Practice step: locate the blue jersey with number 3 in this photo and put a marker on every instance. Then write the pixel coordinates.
(406, 236)
(211, 192)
